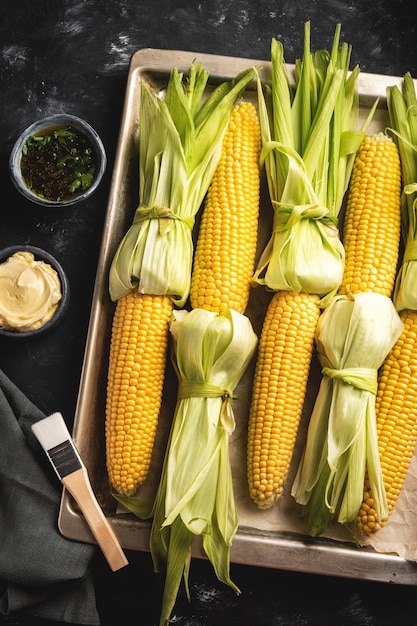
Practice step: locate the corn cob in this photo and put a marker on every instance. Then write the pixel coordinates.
(371, 239)
(396, 412)
(396, 402)
(179, 147)
(371, 232)
(226, 245)
(135, 382)
(212, 346)
(346, 412)
(280, 382)
(307, 173)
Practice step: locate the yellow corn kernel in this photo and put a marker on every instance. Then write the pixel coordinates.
(372, 222)
(396, 415)
(134, 388)
(226, 245)
(279, 388)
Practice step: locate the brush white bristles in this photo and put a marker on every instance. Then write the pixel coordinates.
(51, 431)
(53, 435)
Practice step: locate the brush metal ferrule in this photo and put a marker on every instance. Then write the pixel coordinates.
(64, 458)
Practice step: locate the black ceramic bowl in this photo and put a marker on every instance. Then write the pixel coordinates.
(83, 133)
(39, 255)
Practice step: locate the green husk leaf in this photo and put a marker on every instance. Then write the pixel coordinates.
(180, 142)
(195, 495)
(309, 139)
(405, 292)
(141, 508)
(282, 122)
(402, 108)
(353, 337)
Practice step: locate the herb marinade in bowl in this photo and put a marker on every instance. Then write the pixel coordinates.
(58, 161)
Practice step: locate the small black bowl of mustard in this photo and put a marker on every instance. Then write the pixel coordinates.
(58, 161)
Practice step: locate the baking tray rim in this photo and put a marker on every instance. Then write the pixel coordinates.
(271, 549)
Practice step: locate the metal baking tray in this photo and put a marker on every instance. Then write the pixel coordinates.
(253, 544)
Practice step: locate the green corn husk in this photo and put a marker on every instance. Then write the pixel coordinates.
(180, 142)
(195, 496)
(353, 337)
(309, 140)
(402, 109)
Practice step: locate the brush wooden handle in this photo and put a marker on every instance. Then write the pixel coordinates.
(78, 484)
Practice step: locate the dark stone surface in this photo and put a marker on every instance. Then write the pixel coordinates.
(73, 56)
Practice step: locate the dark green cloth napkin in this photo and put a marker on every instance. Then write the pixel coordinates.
(41, 572)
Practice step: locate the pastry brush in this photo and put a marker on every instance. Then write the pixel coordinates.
(54, 437)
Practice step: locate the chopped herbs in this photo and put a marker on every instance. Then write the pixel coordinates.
(58, 164)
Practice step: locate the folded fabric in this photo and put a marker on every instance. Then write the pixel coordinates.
(41, 572)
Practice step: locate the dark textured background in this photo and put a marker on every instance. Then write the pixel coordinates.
(73, 56)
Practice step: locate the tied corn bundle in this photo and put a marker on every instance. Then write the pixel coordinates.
(180, 141)
(396, 401)
(353, 338)
(213, 345)
(309, 141)
(195, 494)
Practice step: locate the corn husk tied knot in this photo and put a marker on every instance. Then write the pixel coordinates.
(195, 389)
(195, 496)
(144, 258)
(304, 252)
